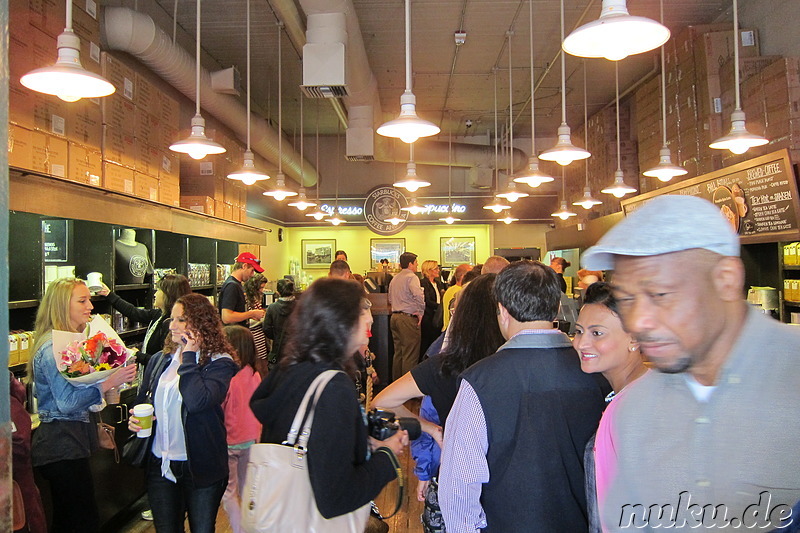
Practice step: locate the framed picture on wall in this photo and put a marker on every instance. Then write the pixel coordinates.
(457, 250)
(317, 253)
(389, 249)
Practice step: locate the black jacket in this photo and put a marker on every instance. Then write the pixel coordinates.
(274, 322)
(151, 317)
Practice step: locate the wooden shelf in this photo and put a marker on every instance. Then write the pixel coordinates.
(131, 287)
(791, 267)
(202, 287)
(791, 303)
(23, 304)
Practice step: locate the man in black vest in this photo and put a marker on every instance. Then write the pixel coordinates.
(514, 440)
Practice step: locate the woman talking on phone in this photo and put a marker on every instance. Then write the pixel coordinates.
(187, 383)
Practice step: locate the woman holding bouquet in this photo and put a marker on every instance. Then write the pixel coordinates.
(66, 436)
(187, 383)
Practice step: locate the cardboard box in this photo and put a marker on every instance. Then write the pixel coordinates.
(148, 97)
(169, 111)
(50, 15)
(49, 114)
(119, 147)
(117, 178)
(169, 193)
(49, 154)
(170, 167)
(145, 186)
(18, 19)
(20, 148)
(119, 113)
(146, 127)
(201, 204)
(227, 212)
(119, 74)
(85, 123)
(148, 158)
(85, 165)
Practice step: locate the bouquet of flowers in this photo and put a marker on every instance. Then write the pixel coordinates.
(92, 356)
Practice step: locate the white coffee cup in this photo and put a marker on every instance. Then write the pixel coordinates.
(94, 280)
(144, 413)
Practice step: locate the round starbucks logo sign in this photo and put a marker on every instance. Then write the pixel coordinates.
(383, 203)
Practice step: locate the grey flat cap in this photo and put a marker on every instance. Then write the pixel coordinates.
(670, 223)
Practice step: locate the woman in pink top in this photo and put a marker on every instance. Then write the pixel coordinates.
(241, 425)
(604, 346)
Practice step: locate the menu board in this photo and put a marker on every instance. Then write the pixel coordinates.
(55, 240)
(758, 197)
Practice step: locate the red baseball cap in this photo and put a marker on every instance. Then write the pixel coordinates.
(249, 259)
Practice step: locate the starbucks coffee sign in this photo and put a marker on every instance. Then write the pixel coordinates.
(384, 202)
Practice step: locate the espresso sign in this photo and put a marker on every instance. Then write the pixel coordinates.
(758, 197)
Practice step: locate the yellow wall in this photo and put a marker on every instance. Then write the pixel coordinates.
(518, 235)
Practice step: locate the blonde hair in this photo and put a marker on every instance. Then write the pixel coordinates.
(53, 312)
(427, 266)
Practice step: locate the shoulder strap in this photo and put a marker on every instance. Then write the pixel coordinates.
(315, 390)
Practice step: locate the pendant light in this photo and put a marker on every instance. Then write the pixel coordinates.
(618, 189)
(563, 213)
(248, 173)
(408, 127)
(616, 34)
(738, 140)
(395, 220)
(336, 219)
(67, 78)
(532, 176)
(564, 152)
(317, 214)
(411, 182)
(496, 205)
(511, 193)
(414, 208)
(449, 219)
(508, 219)
(197, 145)
(665, 170)
(587, 202)
(280, 192)
(302, 203)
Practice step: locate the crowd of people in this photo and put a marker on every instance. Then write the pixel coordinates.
(670, 406)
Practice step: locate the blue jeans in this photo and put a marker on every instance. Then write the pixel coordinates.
(170, 501)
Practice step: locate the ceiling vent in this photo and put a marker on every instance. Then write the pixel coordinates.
(360, 135)
(324, 56)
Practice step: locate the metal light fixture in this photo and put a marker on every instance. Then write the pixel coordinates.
(616, 34)
(563, 213)
(532, 176)
(738, 140)
(395, 220)
(496, 205)
(411, 182)
(302, 203)
(317, 214)
(197, 145)
(665, 170)
(414, 208)
(408, 127)
(449, 219)
(587, 202)
(248, 173)
(67, 78)
(564, 152)
(280, 192)
(508, 219)
(619, 188)
(511, 193)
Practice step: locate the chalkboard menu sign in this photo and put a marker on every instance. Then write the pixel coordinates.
(54, 233)
(758, 197)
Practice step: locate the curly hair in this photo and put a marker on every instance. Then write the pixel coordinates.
(203, 320)
(474, 332)
(322, 324)
(252, 289)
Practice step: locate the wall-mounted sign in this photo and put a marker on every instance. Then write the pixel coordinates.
(54, 237)
(343, 210)
(382, 203)
(758, 197)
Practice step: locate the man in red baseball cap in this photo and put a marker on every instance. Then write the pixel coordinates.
(232, 303)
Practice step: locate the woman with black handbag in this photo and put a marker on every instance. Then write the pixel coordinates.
(346, 468)
(187, 467)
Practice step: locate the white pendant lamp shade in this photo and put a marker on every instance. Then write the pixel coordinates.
(280, 192)
(563, 213)
(411, 182)
(67, 78)
(317, 214)
(248, 174)
(587, 202)
(508, 219)
(619, 188)
(533, 177)
(738, 140)
(395, 220)
(408, 127)
(564, 152)
(497, 205)
(302, 203)
(449, 219)
(335, 220)
(616, 34)
(197, 145)
(414, 208)
(512, 194)
(665, 170)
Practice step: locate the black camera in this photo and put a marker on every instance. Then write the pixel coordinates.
(383, 424)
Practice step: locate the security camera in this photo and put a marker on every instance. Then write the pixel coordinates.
(468, 123)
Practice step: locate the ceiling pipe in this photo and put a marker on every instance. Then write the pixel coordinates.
(137, 34)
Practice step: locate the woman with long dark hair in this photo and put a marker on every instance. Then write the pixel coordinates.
(474, 334)
(187, 471)
(346, 468)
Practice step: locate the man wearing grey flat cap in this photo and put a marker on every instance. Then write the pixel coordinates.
(711, 440)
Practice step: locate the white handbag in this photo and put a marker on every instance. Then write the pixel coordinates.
(277, 495)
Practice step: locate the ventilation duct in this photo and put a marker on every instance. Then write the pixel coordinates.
(360, 135)
(324, 56)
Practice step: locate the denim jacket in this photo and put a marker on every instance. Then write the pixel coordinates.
(58, 398)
